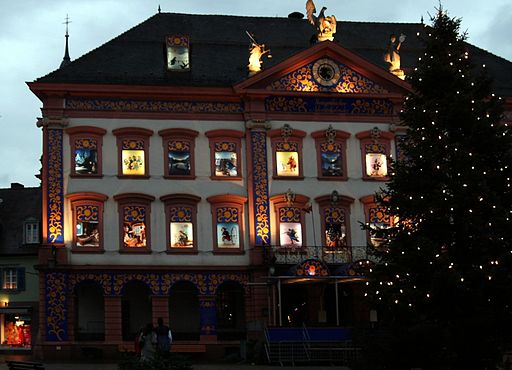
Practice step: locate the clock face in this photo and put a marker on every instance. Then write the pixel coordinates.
(326, 72)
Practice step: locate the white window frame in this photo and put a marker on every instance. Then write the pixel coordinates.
(10, 279)
(31, 232)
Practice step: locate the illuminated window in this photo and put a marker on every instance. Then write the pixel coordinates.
(287, 152)
(134, 221)
(377, 219)
(31, 232)
(178, 53)
(375, 149)
(227, 211)
(181, 211)
(225, 149)
(133, 148)
(179, 153)
(289, 216)
(331, 149)
(86, 150)
(88, 220)
(10, 279)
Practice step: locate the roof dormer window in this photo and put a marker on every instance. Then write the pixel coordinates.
(178, 53)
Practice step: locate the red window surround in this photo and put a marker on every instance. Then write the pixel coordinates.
(376, 215)
(335, 209)
(180, 214)
(334, 143)
(228, 223)
(87, 211)
(287, 140)
(224, 143)
(179, 141)
(86, 138)
(289, 212)
(374, 141)
(134, 222)
(134, 141)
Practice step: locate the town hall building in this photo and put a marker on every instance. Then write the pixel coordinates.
(215, 171)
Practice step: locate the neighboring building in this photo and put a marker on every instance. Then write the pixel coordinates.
(20, 226)
(175, 185)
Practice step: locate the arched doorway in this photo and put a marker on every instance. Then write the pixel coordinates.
(136, 308)
(184, 319)
(90, 312)
(230, 311)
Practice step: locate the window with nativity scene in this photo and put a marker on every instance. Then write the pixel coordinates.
(225, 149)
(178, 53)
(179, 153)
(377, 218)
(331, 146)
(287, 152)
(375, 151)
(289, 211)
(87, 213)
(86, 150)
(133, 149)
(134, 221)
(227, 211)
(181, 218)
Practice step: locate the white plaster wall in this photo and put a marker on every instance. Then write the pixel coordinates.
(202, 186)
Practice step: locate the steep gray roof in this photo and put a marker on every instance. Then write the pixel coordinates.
(17, 205)
(219, 50)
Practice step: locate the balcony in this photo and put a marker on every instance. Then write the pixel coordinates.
(328, 255)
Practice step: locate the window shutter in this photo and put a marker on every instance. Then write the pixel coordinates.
(21, 278)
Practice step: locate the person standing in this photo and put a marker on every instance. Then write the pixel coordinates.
(164, 338)
(148, 342)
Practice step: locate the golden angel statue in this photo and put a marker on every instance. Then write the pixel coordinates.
(256, 51)
(392, 55)
(325, 25)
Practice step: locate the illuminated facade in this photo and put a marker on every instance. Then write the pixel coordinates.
(175, 186)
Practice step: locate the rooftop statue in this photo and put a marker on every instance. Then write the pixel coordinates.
(325, 25)
(256, 51)
(392, 55)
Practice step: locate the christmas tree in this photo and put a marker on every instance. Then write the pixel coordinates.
(443, 280)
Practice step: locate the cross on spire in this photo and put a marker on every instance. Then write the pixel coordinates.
(66, 60)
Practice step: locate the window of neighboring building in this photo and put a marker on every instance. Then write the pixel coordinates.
(227, 211)
(375, 150)
(225, 149)
(31, 231)
(377, 218)
(86, 150)
(12, 278)
(133, 149)
(331, 146)
(87, 210)
(287, 152)
(289, 215)
(181, 218)
(179, 153)
(134, 221)
(178, 53)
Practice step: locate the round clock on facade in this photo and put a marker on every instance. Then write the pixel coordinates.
(326, 72)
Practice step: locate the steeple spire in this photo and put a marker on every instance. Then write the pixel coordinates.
(66, 59)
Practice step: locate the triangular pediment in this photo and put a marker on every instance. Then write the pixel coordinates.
(326, 67)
